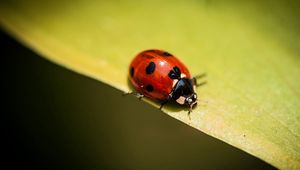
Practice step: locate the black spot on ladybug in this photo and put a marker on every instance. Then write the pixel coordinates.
(131, 71)
(147, 56)
(149, 88)
(174, 73)
(166, 54)
(150, 68)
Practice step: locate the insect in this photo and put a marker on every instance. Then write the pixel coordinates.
(159, 75)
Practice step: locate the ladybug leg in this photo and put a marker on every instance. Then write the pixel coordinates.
(139, 96)
(136, 94)
(200, 76)
(189, 112)
(163, 103)
(194, 79)
(201, 84)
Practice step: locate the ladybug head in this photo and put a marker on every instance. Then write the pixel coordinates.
(189, 100)
(184, 94)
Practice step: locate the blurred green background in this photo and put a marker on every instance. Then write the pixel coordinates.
(57, 119)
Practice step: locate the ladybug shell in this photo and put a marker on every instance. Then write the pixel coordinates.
(149, 73)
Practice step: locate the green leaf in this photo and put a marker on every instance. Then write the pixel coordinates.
(250, 51)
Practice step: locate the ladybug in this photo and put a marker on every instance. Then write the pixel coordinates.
(159, 75)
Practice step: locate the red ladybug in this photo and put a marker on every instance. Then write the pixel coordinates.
(159, 75)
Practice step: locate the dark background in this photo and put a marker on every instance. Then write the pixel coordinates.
(57, 119)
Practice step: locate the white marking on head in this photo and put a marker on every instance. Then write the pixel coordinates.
(194, 87)
(174, 82)
(180, 100)
(182, 75)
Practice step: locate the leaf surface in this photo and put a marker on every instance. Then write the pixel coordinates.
(250, 51)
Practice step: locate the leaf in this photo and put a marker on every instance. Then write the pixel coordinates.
(250, 51)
